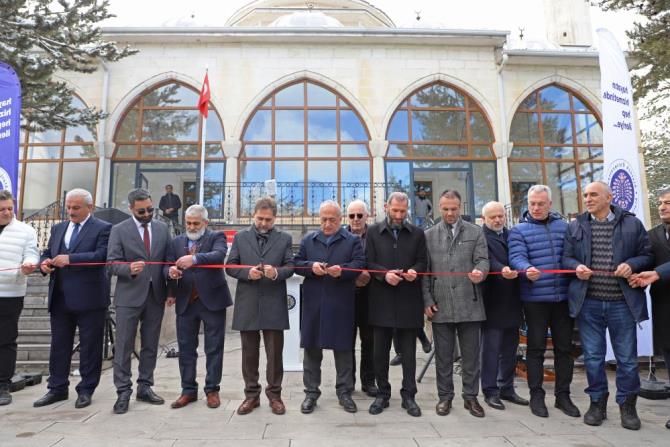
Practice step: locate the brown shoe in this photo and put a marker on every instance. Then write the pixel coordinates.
(183, 400)
(213, 400)
(277, 406)
(473, 406)
(443, 407)
(248, 405)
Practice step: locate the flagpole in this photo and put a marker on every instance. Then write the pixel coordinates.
(201, 189)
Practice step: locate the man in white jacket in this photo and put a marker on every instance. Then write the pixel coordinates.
(18, 258)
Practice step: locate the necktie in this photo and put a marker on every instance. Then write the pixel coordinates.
(194, 290)
(73, 236)
(450, 230)
(147, 240)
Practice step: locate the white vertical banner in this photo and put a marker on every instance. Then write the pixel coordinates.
(621, 170)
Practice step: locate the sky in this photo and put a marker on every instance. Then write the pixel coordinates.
(506, 15)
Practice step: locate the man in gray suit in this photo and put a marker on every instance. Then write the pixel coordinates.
(260, 302)
(455, 303)
(140, 295)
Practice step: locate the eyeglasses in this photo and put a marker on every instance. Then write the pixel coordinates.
(356, 216)
(143, 211)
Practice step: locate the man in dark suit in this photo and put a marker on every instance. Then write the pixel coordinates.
(260, 302)
(139, 297)
(202, 296)
(170, 204)
(500, 330)
(328, 313)
(659, 278)
(78, 298)
(395, 297)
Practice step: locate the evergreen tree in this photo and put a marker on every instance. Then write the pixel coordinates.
(656, 146)
(38, 38)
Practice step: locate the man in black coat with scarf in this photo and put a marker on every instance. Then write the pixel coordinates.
(500, 331)
(397, 248)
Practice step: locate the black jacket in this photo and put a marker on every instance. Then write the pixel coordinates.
(660, 290)
(502, 299)
(398, 306)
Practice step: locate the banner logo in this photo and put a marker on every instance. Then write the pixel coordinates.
(622, 181)
(5, 180)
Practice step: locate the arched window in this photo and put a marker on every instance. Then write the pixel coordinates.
(440, 138)
(312, 142)
(158, 142)
(558, 141)
(56, 161)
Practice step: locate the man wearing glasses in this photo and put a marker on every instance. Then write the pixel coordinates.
(140, 296)
(324, 258)
(357, 211)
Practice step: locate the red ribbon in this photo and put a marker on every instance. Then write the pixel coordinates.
(238, 266)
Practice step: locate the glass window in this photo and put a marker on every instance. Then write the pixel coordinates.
(398, 129)
(484, 182)
(289, 125)
(260, 127)
(554, 98)
(214, 189)
(214, 127)
(255, 171)
(123, 179)
(311, 123)
(573, 136)
(321, 125)
(127, 130)
(43, 182)
(439, 114)
(171, 95)
(170, 125)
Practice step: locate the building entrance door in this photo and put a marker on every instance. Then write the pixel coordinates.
(428, 184)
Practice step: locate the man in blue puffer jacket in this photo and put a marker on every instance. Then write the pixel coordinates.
(536, 244)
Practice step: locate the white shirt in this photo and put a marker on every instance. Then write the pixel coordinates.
(70, 229)
(140, 228)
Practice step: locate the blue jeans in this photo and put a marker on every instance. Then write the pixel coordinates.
(594, 318)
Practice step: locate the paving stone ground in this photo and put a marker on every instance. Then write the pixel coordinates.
(196, 425)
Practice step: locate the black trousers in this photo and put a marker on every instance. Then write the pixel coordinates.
(10, 311)
(64, 323)
(540, 317)
(274, 369)
(407, 344)
(499, 346)
(367, 368)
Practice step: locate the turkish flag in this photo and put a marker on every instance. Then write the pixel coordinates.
(205, 96)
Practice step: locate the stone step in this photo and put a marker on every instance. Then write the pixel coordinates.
(36, 300)
(33, 310)
(37, 336)
(39, 366)
(28, 323)
(35, 351)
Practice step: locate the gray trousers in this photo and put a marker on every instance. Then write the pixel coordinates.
(149, 318)
(311, 376)
(444, 335)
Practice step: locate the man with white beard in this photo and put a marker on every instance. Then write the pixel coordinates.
(201, 296)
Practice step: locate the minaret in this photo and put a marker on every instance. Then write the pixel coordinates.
(568, 22)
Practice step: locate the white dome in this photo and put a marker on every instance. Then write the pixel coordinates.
(306, 19)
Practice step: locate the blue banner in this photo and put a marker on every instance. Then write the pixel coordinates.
(10, 120)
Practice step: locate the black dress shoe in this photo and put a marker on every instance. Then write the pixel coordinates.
(121, 405)
(397, 360)
(538, 407)
(348, 404)
(49, 398)
(494, 402)
(147, 395)
(667, 424)
(564, 403)
(412, 408)
(370, 390)
(514, 398)
(443, 407)
(378, 405)
(83, 400)
(426, 345)
(308, 405)
(472, 405)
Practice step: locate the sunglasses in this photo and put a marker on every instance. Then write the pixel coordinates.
(143, 211)
(356, 216)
